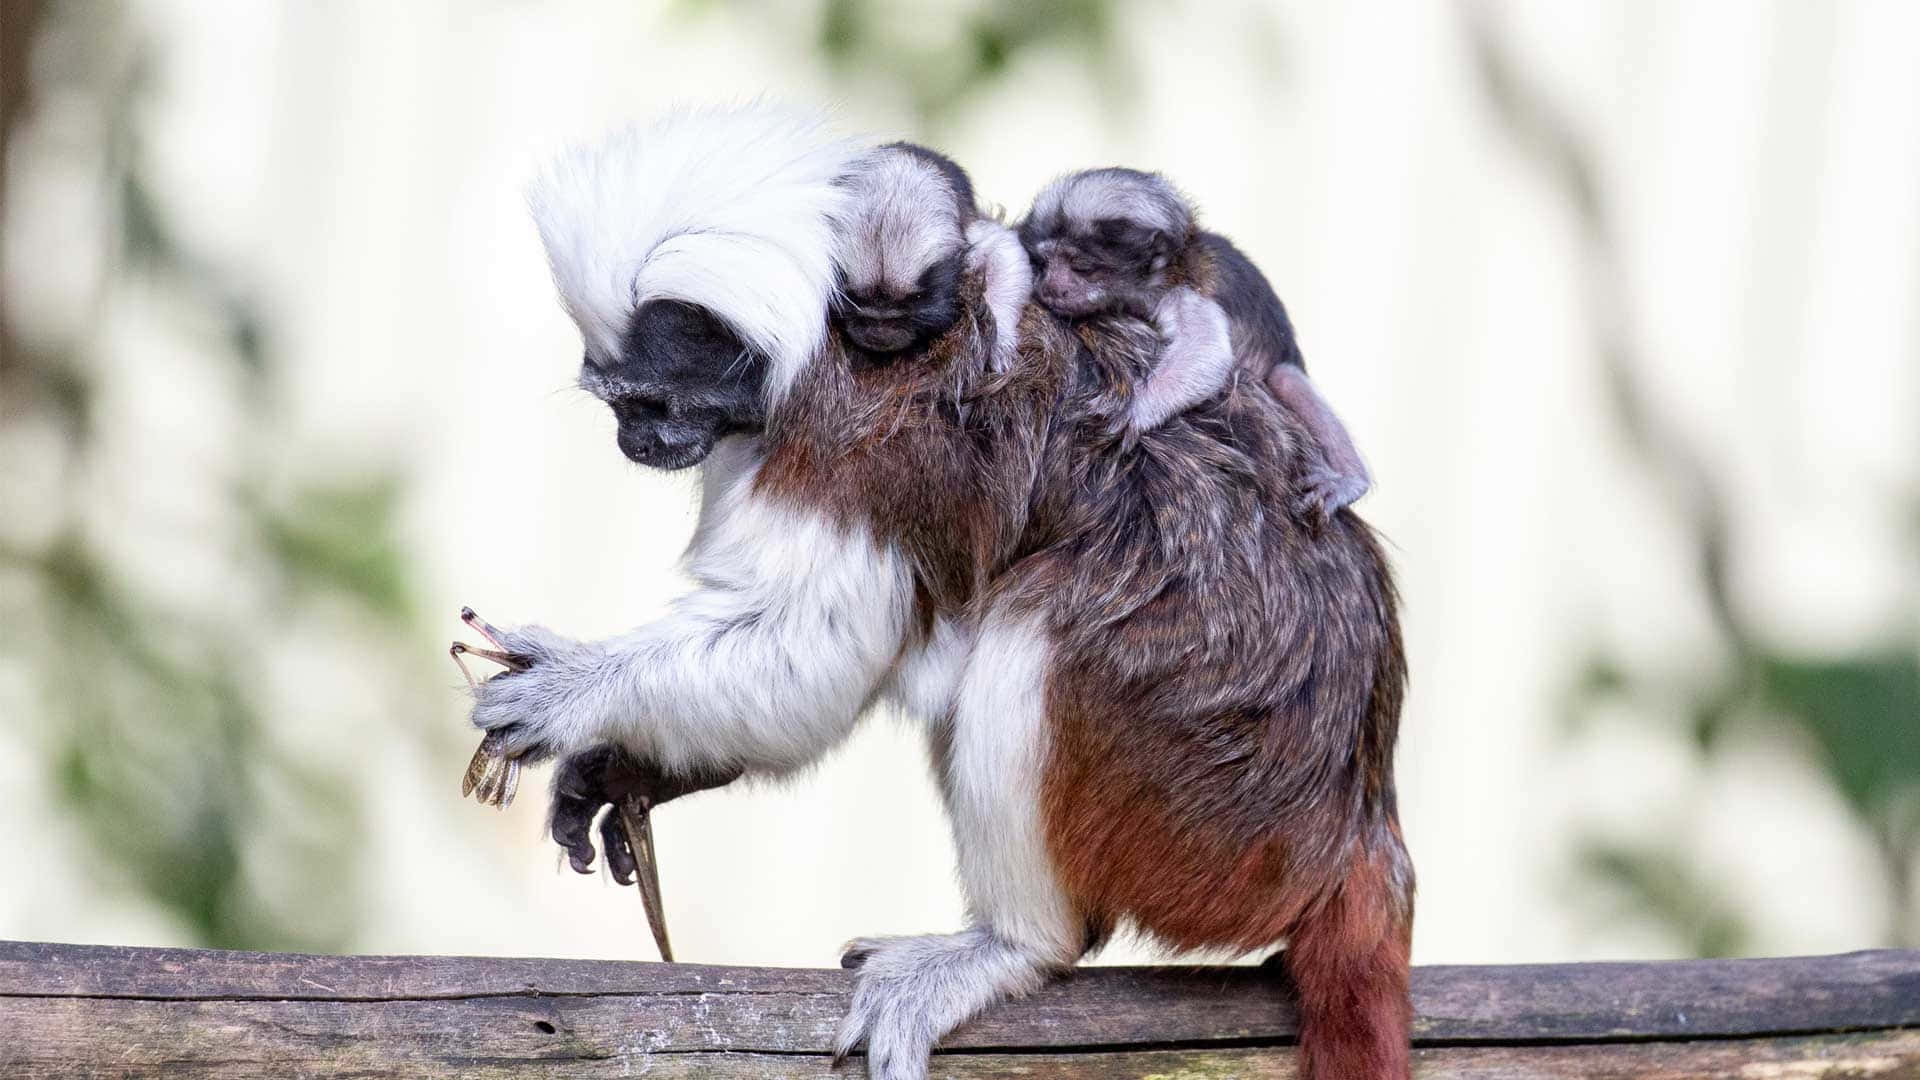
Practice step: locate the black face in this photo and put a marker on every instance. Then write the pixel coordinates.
(880, 320)
(1110, 265)
(683, 380)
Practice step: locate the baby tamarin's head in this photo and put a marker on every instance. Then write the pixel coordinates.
(903, 248)
(1102, 240)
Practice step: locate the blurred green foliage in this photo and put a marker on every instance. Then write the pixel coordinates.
(1635, 881)
(1857, 712)
(152, 714)
(939, 59)
(154, 729)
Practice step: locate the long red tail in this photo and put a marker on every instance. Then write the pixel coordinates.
(1348, 957)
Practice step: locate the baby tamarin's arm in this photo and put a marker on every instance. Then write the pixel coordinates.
(994, 251)
(1195, 360)
(1336, 477)
(1195, 363)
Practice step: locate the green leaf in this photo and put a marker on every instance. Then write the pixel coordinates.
(1864, 713)
(1651, 884)
(340, 536)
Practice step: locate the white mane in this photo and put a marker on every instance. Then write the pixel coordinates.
(731, 209)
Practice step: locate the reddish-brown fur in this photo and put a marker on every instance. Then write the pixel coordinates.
(1227, 681)
(1225, 702)
(1348, 957)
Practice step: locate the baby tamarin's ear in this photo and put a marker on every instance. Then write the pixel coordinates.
(994, 252)
(1141, 242)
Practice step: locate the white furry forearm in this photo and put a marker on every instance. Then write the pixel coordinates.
(768, 664)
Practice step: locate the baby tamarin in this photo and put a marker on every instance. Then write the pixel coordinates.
(911, 230)
(1121, 241)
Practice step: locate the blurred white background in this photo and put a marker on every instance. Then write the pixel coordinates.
(1708, 211)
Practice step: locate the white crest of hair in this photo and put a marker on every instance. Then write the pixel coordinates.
(902, 217)
(729, 208)
(1100, 194)
(994, 251)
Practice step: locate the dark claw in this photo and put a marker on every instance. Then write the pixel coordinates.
(854, 959)
(571, 818)
(589, 782)
(619, 848)
(609, 776)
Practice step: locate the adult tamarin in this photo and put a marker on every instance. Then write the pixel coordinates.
(1121, 241)
(1139, 708)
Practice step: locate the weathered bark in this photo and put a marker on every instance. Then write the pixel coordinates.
(72, 1010)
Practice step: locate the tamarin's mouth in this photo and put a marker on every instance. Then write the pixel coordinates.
(668, 457)
(656, 449)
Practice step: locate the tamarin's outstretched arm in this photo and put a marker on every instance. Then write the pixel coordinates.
(764, 666)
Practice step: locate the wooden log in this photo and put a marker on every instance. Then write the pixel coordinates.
(70, 1010)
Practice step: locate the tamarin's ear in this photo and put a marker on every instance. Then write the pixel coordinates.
(1165, 247)
(1136, 241)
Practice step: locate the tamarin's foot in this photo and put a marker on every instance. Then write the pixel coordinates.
(908, 992)
(1324, 492)
(592, 780)
(607, 776)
